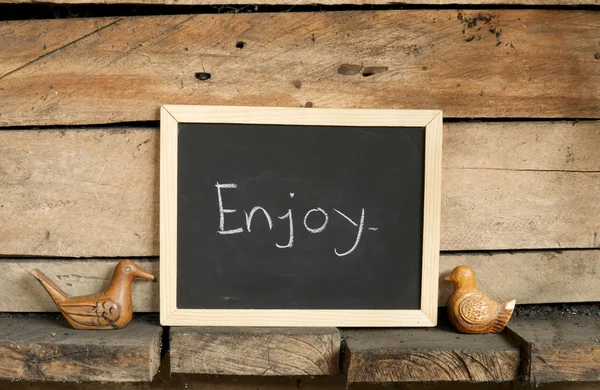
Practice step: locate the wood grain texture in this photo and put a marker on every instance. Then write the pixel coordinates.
(532, 146)
(437, 354)
(169, 153)
(44, 348)
(26, 42)
(559, 349)
(255, 351)
(531, 277)
(299, 116)
(77, 193)
(518, 186)
(504, 186)
(432, 217)
(475, 63)
(299, 318)
(506, 209)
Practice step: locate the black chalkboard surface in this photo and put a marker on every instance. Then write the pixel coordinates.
(303, 217)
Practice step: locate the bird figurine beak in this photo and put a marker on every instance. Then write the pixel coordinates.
(448, 278)
(143, 274)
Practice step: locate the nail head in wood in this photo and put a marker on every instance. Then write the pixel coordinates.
(203, 76)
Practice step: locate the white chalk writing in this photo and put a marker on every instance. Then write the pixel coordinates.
(360, 225)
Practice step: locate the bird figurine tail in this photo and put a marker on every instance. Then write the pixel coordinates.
(55, 292)
(507, 308)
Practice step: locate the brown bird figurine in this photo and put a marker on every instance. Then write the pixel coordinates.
(473, 311)
(108, 309)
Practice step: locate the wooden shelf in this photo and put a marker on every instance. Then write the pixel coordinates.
(561, 349)
(40, 347)
(428, 354)
(43, 348)
(255, 351)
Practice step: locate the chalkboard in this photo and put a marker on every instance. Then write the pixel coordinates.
(299, 216)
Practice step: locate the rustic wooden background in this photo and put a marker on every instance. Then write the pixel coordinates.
(519, 86)
(81, 85)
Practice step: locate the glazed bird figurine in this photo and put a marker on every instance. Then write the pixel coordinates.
(108, 309)
(473, 311)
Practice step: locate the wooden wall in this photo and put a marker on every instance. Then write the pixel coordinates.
(519, 86)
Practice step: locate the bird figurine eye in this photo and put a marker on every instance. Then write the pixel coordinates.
(127, 269)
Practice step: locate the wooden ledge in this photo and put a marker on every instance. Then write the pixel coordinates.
(255, 351)
(428, 354)
(44, 348)
(559, 349)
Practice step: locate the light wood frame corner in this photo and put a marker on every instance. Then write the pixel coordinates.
(172, 115)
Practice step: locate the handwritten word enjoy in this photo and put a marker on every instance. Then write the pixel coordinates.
(288, 215)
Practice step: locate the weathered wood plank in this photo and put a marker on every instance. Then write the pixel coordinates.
(476, 63)
(531, 277)
(511, 209)
(509, 172)
(436, 354)
(79, 193)
(560, 349)
(534, 146)
(503, 188)
(34, 347)
(25, 42)
(255, 351)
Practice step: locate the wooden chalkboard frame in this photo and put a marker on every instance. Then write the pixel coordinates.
(172, 115)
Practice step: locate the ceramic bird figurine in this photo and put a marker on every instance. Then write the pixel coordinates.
(108, 309)
(473, 311)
